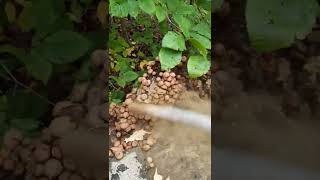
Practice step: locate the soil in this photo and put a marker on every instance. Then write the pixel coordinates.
(267, 104)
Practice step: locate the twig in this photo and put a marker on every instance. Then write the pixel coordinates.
(25, 86)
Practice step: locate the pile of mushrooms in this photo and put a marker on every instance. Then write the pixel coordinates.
(156, 88)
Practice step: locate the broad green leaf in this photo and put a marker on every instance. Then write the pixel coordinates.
(3, 103)
(122, 65)
(161, 13)
(203, 51)
(202, 39)
(17, 52)
(173, 5)
(45, 16)
(116, 96)
(25, 124)
(206, 4)
(10, 11)
(174, 41)
(76, 12)
(129, 76)
(38, 67)
(197, 66)
(147, 6)
(22, 104)
(275, 24)
(102, 12)
(184, 24)
(25, 20)
(184, 9)
(169, 58)
(203, 29)
(133, 8)
(121, 82)
(64, 47)
(118, 9)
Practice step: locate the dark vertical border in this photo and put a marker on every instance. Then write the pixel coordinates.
(212, 96)
(106, 69)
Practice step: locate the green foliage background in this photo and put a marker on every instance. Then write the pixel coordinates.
(42, 41)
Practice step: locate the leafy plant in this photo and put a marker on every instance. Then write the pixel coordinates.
(188, 27)
(275, 24)
(40, 41)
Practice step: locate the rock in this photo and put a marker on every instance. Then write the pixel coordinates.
(12, 139)
(64, 176)
(56, 152)
(69, 164)
(61, 125)
(67, 108)
(41, 153)
(93, 118)
(75, 177)
(79, 92)
(314, 37)
(94, 97)
(38, 170)
(132, 166)
(52, 168)
(103, 112)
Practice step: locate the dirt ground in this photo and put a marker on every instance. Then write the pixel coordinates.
(266, 104)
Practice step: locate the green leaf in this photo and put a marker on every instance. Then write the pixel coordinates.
(39, 67)
(184, 24)
(118, 9)
(10, 10)
(169, 58)
(147, 6)
(116, 96)
(174, 41)
(133, 8)
(206, 4)
(64, 47)
(203, 29)
(3, 103)
(275, 24)
(173, 4)
(205, 42)
(25, 105)
(197, 66)
(17, 52)
(184, 9)
(45, 16)
(25, 20)
(161, 13)
(25, 124)
(203, 51)
(129, 76)
(120, 82)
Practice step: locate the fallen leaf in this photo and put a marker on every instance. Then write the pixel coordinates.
(137, 136)
(143, 64)
(158, 176)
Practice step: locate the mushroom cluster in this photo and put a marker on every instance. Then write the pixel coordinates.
(156, 88)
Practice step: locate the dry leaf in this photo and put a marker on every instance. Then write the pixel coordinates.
(158, 176)
(137, 136)
(143, 64)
